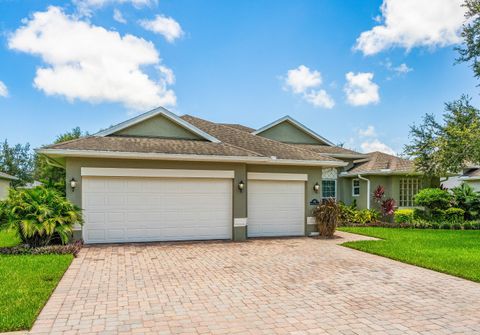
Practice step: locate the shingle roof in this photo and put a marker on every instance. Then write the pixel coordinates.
(255, 143)
(152, 145)
(475, 172)
(382, 163)
(326, 149)
(239, 127)
(4, 175)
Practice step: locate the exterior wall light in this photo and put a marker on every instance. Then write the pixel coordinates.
(73, 184)
(241, 185)
(316, 187)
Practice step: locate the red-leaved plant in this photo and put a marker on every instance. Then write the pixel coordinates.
(387, 206)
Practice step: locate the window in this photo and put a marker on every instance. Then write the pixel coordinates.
(408, 188)
(329, 189)
(356, 187)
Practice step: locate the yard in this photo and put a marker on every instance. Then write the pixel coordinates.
(456, 252)
(26, 283)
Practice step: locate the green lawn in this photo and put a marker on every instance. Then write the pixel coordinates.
(26, 283)
(456, 252)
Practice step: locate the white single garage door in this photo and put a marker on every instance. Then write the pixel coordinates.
(132, 209)
(276, 208)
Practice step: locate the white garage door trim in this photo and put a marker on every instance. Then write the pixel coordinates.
(142, 209)
(277, 176)
(276, 208)
(155, 173)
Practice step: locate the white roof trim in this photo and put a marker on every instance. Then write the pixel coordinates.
(155, 173)
(154, 112)
(297, 124)
(184, 157)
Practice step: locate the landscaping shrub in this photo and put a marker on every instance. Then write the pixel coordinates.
(435, 225)
(326, 217)
(445, 225)
(467, 226)
(403, 216)
(454, 214)
(433, 198)
(466, 198)
(73, 249)
(38, 214)
(476, 225)
(366, 216)
(437, 214)
(419, 213)
(347, 213)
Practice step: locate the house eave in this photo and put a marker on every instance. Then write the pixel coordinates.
(382, 173)
(186, 157)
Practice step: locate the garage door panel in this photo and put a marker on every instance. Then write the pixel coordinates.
(156, 209)
(276, 208)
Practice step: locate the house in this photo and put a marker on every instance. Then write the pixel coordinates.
(397, 175)
(5, 180)
(471, 176)
(161, 177)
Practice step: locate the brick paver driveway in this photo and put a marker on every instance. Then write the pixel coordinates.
(281, 286)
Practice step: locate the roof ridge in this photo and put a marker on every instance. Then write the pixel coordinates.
(265, 139)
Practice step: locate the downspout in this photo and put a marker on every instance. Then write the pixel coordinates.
(368, 189)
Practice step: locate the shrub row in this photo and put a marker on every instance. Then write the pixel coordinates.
(421, 224)
(73, 249)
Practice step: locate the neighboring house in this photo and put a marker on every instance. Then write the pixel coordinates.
(397, 175)
(471, 176)
(31, 185)
(5, 180)
(160, 177)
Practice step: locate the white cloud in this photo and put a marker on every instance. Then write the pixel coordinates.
(412, 23)
(319, 98)
(301, 79)
(86, 7)
(90, 63)
(360, 89)
(3, 89)
(376, 145)
(306, 82)
(166, 26)
(402, 68)
(367, 132)
(118, 16)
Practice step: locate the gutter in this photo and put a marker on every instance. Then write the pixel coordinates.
(186, 157)
(368, 189)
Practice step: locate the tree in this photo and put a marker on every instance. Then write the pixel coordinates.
(17, 161)
(470, 50)
(52, 176)
(442, 148)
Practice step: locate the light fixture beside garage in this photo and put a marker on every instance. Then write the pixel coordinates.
(241, 185)
(316, 187)
(73, 184)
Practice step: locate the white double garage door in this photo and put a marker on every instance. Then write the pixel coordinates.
(141, 205)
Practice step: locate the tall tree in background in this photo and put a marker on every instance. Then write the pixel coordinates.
(447, 147)
(17, 161)
(442, 148)
(52, 176)
(470, 50)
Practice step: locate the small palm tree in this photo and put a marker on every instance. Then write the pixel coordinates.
(38, 214)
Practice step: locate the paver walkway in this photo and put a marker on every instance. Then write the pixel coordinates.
(277, 286)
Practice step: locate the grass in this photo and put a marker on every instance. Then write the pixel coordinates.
(456, 252)
(26, 283)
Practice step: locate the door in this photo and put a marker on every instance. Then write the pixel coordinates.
(276, 208)
(135, 209)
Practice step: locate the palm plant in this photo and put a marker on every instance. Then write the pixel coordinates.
(466, 198)
(38, 214)
(326, 217)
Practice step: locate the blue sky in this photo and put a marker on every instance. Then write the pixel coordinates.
(66, 64)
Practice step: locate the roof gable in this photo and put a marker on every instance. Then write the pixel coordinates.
(158, 123)
(288, 130)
